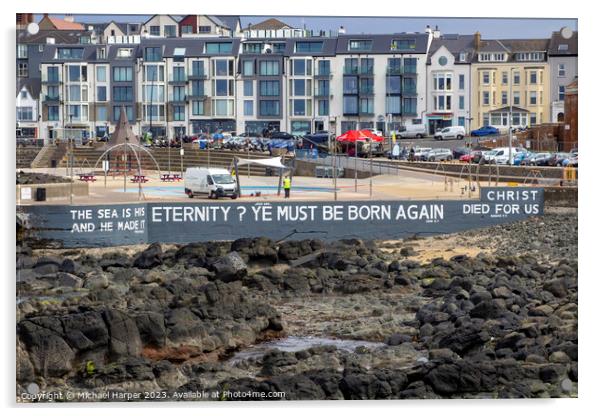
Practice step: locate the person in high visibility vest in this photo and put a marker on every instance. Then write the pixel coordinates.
(287, 187)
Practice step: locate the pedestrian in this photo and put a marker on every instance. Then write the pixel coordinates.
(395, 153)
(287, 187)
(404, 153)
(412, 154)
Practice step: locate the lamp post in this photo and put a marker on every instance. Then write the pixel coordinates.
(71, 158)
(511, 80)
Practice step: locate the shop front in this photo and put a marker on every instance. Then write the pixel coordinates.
(213, 126)
(438, 121)
(258, 128)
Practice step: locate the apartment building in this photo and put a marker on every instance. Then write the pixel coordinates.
(562, 60)
(510, 83)
(27, 104)
(448, 82)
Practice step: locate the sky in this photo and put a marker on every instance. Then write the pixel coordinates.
(489, 27)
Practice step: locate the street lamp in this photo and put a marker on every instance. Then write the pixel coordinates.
(511, 81)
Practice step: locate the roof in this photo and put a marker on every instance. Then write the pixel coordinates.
(455, 44)
(557, 40)
(156, 15)
(33, 85)
(89, 54)
(270, 24)
(230, 21)
(381, 44)
(515, 109)
(59, 36)
(61, 24)
(513, 45)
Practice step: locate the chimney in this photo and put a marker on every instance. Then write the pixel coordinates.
(68, 18)
(342, 30)
(477, 40)
(436, 33)
(428, 29)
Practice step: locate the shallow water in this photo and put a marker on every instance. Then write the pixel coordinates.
(293, 344)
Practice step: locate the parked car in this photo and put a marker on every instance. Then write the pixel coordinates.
(540, 159)
(420, 153)
(376, 132)
(458, 152)
(437, 155)
(558, 158)
(485, 131)
(417, 131)
(571, 162)
(521, 158)
(281, 135)
(503, 155)
(453, 132)
(472, 157)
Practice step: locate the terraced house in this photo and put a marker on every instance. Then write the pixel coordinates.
(510, 82)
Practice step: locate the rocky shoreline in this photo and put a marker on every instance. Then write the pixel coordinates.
(493, 315)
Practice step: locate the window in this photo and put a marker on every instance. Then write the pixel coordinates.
(248, 107)
(530, 56)
(155, 30)
(486, 78)
(394, 66)
(124, 53)
(532, 97)
(485, 97)
(22, 51)
(504, 78)
(101, 53)
(409, 65)
(22, 70)
(269, 88)
(179, 93)
(533, 77)
(516, 78)
(198, 108)
(409, 105)
(403, 44)
(154, 112)
(350, 85)
(532, 119)
(70, 53)
(223, 87)
(123, 94)
(216, 48)
(53, 74)
(269, 108)
(298, 87)
(122, 73)
(561, 92)
(350, 105)
(248, 68)
(198, 88)
(101, 113)
(248, 88)
(269, 68)
(53, 92)
(516, 98)
(24, 94)
(254, 47)
(223, 67)
(179, 113)
(461, 82)
(441, 82)
(323, 108)
(169, 31)
(366, 86)
(53, 112)
(308, 47)
(504, 97)
(324, 67)
(278, 47)
(367, 66)
(360, 45)
(198, 68)
(101, 73)
(351, 66)
(298, 67)
(179, 73)
(393, 85)
(24, 113)
(101, 93)
(186, 29)
(75, 93)
(323, 88)
(443, 102)
(561, 70)
(393, 105)
(153, 73)
(298, 107)
(74, 73)
(179, 54)
(462, 56)
(204, 29)
(152, 54)
(492, 57)
(367, 105)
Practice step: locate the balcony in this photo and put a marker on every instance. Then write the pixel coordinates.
(52, 99)
(50, 81)
(409, 92)
(409, 70)
(351, 70)
(197, 76)
(366, 72)
(394, 70)
(367, 91)
(178, 99)
(322, 93)
(178, 80)
(323, 75)
(409, 112)
(197, 95)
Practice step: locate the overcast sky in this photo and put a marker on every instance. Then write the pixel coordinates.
(489, 27)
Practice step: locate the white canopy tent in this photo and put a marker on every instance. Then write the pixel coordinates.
(271, 162)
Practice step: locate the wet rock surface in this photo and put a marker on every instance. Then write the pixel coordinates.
(501, 323)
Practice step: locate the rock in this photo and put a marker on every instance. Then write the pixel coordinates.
(230, 267)
(67, 266)
(151, 326)
(407, 251)
(542, 310)
(64, 279)
(50, 354)
(444, 379)
(260, 248)
(557, 287)
(85, 331)
(397, 339)
(559, 357)
(551, 373)
(566, 385)
(502, 292)
(124, 338)
(149, 258)
(96, 280)
(486, 309)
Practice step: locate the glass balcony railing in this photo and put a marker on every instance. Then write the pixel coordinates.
(366, 90)
(350, 70)
(394, 70)
(366, 70)
(178, 79)
(322, 92)
(52, 98)
(409, 69)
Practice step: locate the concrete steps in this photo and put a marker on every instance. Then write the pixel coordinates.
(25, 155)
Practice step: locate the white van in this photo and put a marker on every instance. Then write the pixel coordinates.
(417, 131)
(215, 182)
(502, 155)
(452, 132)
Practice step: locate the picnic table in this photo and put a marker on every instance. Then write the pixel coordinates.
(87, 177)
(170, 178)
(139, 179)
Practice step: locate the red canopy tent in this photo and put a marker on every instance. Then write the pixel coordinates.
(353, 136)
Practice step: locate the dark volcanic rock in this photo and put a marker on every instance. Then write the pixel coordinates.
(149, 258)
(230, 267)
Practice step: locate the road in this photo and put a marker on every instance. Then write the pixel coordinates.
(446, 144)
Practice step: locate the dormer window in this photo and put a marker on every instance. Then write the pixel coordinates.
(563, 47)
(462, 57)
(492, 57)
(124, 52)
(102, 53)
(403, 44)
(530, 56)
(360, 45)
